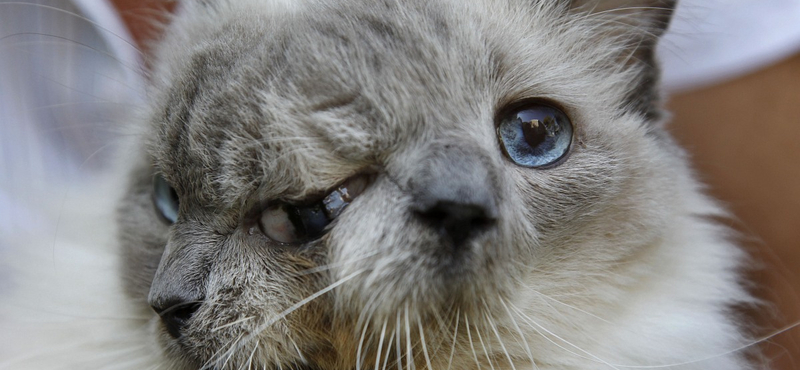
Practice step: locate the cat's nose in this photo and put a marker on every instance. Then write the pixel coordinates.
(457, 222)
(454, 195)
(175, 312)
(176, 292)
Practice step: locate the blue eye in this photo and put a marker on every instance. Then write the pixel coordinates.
(535, 134)
(165, 199)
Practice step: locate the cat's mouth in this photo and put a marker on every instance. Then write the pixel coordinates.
(276, 367)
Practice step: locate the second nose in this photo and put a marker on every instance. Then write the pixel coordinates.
(175, 313)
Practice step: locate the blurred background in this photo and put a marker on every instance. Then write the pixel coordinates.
(70, 72)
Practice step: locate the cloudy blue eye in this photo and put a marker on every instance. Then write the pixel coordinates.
(534, 134)
(165, 199)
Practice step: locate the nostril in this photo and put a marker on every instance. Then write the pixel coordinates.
(175, 314)
(456, 222)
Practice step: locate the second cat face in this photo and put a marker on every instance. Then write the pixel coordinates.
(332, 178)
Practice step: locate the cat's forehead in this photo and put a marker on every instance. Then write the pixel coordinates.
(303, 99)
(317, 96)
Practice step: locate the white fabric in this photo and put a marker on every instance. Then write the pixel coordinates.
(713, 40)
(67, 75)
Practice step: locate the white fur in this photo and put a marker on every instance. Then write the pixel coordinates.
(62, 306)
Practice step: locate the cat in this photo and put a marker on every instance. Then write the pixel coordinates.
(352, 184)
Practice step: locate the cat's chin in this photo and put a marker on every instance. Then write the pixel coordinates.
(316, 336)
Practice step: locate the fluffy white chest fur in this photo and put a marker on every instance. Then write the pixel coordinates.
(397, 184)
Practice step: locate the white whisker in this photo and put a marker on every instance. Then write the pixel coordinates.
(497, 334)
(399, 347)
(737, 349)
(471, 342)
(380, 344)
(297, 348)
(388, 349)
(409, 350)
(485, 348)
(535, 325)
(291, 309)
(305, 301)
(218, 328)
(359, 356)
(455, 339)
(424, 345)
(250, 359)
(228, 353)
(521, 334)
(329, 266)
(570, 306)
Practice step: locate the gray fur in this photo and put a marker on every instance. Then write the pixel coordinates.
(254, 102)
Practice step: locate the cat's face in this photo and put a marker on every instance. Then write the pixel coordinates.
(491, 153)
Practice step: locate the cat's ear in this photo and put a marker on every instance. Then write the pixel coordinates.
(636, 25)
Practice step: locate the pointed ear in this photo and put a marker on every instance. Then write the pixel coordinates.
(638, 24)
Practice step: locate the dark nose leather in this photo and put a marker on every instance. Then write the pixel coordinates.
(177, 290)
(456, 222)
(454, 195)
(175, 313)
